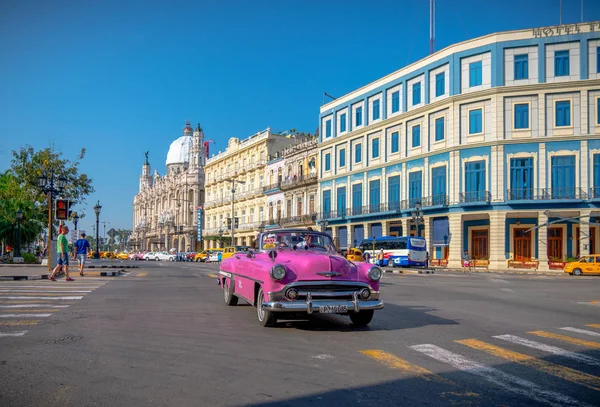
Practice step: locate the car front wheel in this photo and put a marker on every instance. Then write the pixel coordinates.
(577, 272)
(362, 318)
(229, 298)
(266, 318)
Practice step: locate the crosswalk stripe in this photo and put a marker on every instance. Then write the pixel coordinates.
(550, 349)
(43, 298)
(53, 286)
(40, 294)
(24, 315)
(20, 333)
(593, 325)
(44, 291)
(562, 372)
(405, 366)
(565, 338)
(29, 310)
(580, 331)
(509, 383)
(33, 306)
(20, 323)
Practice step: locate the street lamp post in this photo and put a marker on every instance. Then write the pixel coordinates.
(19, 217)
(221, 237)
(323, 223)
(97, 209)
(417, 216)
(75, 222)
(50, 186)
(233, 181)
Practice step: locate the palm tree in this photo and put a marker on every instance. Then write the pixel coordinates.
(31, 226)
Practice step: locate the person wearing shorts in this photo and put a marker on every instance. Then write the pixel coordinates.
(62, 252)
(82, 247)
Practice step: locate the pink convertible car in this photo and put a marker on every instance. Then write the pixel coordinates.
(297, 271)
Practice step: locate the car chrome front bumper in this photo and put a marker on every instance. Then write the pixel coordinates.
(310, 306)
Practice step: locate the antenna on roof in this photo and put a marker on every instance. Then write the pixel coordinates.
(327, 94)
(432, 25)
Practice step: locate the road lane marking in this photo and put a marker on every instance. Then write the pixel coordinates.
(405, 366)
(594, 325)
(43, 298)
(24, 315)
(44, 291)
(29, 310)
(580, 331)
(565, 338)
(565, 373)
(41, 294)
(508, 382)
(141, 274)
(555, 350)
(20, 323)
(5, 334)
(54, 286)
(33, 306)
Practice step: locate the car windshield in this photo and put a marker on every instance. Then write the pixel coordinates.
(296, 240)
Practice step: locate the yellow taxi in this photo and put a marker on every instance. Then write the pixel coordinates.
(122, 256)
(354, 254)
(231, 250)
(107, 255)
(201, 256)
(584, 265)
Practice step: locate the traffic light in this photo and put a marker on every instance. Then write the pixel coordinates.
(62, 209)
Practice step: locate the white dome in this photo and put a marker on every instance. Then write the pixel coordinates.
(179, 150)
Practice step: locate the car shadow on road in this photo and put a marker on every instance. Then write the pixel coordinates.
(392, 317)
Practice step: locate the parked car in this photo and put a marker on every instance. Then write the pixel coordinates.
(214, 256)
(190, 256)
(231, 250)
(166, 256)
(297, 271)
(149, 256)
(137, 256)
(354, 254)
(122, 256)
(201, 256)
(583, 265)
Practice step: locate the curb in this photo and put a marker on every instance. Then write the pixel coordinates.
(404, 271)
(104, 266)
(45, 276)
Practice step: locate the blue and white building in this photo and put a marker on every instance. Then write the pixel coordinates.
(497, 139)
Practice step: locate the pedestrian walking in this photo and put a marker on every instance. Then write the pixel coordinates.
(466, 263)
(380, 258)
(62, 251)
(82, 247)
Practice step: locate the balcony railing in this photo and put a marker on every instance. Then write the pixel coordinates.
(594, 193)
(435, 200)
(529, 194)
(271, 187)
(302, 220)
(295, 182)
(475, 197)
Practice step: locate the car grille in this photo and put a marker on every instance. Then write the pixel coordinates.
(327, 290)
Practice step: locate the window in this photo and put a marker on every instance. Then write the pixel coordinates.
(343, 157)
(341, 201)
(356, 199)
(475, 121)
(375, 148)
(358, 116)
(521, 116)
(342, 122)
(438, 185)
(475, 181)
(416, 136)
(394, 192)
(376, 109)
(358, 153)
(563, 177)
(561, 63)
(596, 192)
(416, 96)
(326, 204)
(328, 129)
(327, 162)
(563, 113)
(440, 84)
(395, 101)
(395, 142)
(374, 196)
(299, 207)
(439, 129)
(414, 187)
(521, 66)
(475, 73)
(521, 178)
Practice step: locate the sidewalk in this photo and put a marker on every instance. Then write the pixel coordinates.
(433, 270)
(39, 272)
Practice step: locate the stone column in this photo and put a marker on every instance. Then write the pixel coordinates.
(385, 228)
(428, 223)
(584, 234)
(351, 235)
(405, 224)
(542, 242)
(456, 240)
(498, 241)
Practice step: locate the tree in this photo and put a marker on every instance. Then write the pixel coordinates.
(124, 235)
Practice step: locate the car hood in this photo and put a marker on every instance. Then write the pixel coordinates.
(309, 265)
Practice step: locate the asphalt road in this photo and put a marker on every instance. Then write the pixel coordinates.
(162, 336)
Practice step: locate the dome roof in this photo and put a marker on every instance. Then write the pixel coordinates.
(179, 150)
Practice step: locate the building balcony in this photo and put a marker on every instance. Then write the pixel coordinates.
(434, 200)
(301, 220)
(296, 182)
(475, 197)
(594, 193)
(549, 194)
(271, 188)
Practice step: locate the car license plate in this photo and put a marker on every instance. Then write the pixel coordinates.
(333, 309)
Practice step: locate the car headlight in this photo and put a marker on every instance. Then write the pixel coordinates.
(375, 273)
(278, 272)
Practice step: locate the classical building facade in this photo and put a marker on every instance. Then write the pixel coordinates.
(241, 167)
(165, 210)
(496, 140)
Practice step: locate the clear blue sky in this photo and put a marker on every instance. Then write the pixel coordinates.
(122, 77)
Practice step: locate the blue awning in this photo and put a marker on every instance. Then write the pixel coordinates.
(441, 232)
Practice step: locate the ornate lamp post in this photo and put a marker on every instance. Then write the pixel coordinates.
(323, 224)
(75, 222)
(50, 186)
(97, 209)
(19, 217)
(417, 216)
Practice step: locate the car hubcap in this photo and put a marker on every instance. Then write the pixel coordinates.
(261, 312)
(226, 292)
